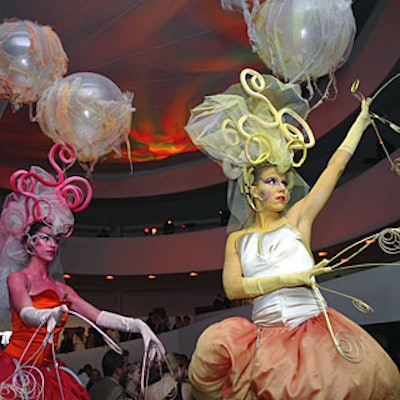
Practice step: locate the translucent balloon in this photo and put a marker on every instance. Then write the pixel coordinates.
(89, 111)
(31, 58)
(301, 40)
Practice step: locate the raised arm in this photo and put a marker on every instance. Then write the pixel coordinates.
(306, 210)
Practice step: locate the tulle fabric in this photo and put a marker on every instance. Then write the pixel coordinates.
(15, 221)
(213, 126)
(235, 359)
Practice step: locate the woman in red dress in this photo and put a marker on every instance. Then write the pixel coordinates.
(34, 218)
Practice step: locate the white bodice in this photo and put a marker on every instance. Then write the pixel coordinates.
(281, 251)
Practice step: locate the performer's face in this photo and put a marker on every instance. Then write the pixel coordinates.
(46, 245)
(271, 189)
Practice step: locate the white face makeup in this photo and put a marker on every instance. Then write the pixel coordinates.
(45, 244)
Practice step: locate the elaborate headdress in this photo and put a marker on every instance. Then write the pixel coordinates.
(257, 122)
(38, 197)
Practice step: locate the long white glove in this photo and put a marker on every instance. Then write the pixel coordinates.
(32, 316)
(126, 324)
(259, 286)
(354, 135)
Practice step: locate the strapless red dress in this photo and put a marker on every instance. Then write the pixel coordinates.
(45, 381)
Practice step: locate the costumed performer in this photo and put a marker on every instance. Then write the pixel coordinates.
(34, 217)
(296, 347)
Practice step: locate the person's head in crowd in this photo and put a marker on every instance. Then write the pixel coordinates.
(134, 371)
(187, 320)
(115, 365)
(86, 368)
(132, 386)
(177, 364)
(95, 376)
(178, 322)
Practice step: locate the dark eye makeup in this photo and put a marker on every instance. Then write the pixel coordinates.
(275, 181)
(46, 237)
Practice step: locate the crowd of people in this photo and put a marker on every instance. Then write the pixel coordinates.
(121, 379)
(78, 338)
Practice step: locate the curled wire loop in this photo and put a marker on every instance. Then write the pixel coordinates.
(74, 192)
(350, 346)
(297, 138)
(389, 240)
(26, 383)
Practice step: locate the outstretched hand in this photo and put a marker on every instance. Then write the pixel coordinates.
(365, 103)
(54, 317)
(306, 277)
(152, 345)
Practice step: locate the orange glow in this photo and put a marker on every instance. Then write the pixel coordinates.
(344, 260)
(192, 274)
(322, 253)
(370, 241)
(110, 277)
(151, 276)
(67, 276)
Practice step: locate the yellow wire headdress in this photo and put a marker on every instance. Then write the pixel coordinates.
(256, 122)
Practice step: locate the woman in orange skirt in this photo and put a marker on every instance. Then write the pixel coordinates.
(295, 348)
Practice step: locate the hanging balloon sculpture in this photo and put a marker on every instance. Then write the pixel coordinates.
(300, 40)
(90, 112)
(31, 58)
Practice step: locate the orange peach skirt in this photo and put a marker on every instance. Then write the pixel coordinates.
(235, 359)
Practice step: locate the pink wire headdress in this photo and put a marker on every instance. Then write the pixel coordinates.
(38, 196)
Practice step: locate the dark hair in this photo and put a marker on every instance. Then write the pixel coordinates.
(111, 361)
(34, 228)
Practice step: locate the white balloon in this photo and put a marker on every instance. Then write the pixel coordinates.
(88, 111)
(302, 40)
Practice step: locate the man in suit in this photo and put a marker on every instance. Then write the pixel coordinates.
(115, 367)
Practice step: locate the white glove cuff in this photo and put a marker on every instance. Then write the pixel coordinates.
(114, 321)
(32, 316)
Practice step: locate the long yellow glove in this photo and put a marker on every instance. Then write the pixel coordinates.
(353, 137)
(254, 287)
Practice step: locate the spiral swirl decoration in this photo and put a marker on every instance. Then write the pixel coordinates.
(389, 240)
(26, 383)
(350, 347)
